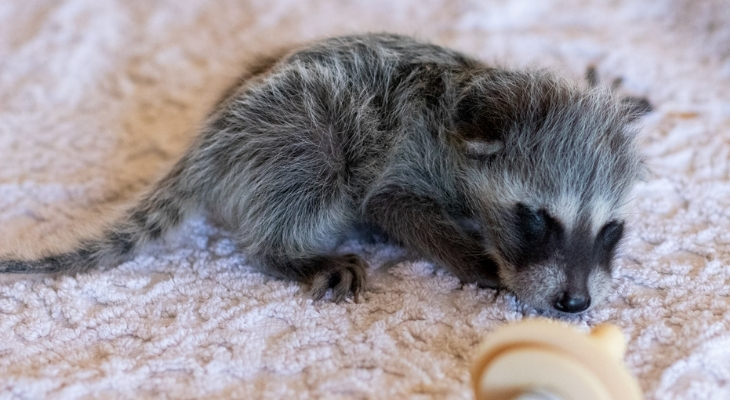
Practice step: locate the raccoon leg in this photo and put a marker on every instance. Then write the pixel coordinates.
(342, 273)
(421, 224)
(288, 220)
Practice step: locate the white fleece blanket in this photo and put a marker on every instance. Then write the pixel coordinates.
(98, 97)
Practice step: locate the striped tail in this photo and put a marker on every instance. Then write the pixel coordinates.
(157, 213)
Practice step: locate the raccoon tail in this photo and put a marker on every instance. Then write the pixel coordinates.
(160, 210)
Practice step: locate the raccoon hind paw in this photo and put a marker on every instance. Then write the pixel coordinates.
(344, 274)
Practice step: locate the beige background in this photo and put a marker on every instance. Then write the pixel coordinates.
(97, 98)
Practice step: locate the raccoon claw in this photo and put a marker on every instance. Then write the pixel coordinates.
(637, 106)
(592, 76)
(344, 274)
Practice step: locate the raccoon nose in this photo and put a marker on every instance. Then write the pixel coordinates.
(572, 302)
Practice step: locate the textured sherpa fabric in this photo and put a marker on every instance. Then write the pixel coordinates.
(97, 98)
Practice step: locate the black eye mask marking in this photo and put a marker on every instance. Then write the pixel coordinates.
(531, 224)
(609, 236)
(538, 235)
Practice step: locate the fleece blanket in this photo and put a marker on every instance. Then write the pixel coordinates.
(98, 98)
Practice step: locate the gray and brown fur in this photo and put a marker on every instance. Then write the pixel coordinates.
(514, 179)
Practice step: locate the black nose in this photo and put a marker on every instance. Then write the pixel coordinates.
(572, 303)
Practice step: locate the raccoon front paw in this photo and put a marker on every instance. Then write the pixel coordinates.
(344, 274)
(636, 107)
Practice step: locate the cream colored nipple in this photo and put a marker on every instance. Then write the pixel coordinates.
(543, 359)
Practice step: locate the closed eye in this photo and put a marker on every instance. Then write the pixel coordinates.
(537, 236)
(531, 224)
(610, 235)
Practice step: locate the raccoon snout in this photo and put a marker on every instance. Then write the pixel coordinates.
(572, 302)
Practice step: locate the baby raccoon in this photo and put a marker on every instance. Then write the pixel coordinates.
(509, 179)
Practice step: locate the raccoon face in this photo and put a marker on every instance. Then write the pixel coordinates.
(552, 265)
(547, 170)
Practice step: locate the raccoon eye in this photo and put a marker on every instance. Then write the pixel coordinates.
(610, 234)
(531, 224)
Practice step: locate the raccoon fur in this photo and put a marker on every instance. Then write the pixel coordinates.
(512, 179)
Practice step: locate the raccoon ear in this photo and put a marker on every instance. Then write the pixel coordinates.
(479, 125)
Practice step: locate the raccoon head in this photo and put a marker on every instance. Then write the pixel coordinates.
(548, 167)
